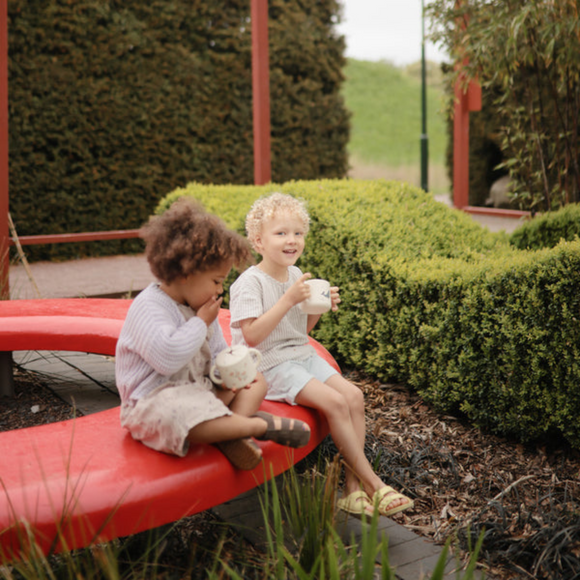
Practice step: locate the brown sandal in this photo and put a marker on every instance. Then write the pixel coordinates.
(242, 453)
(283, 430)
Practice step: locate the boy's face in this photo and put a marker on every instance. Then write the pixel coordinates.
(281, 241)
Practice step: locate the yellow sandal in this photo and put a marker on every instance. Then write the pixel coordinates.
(356, 503)
(385, 496)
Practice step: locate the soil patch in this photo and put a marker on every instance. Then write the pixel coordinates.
(33, 404)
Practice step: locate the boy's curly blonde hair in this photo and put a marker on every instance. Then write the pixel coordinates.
(267, 207)
(186, 239)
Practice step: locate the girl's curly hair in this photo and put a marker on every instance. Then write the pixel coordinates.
(187, 239)
(267, 207)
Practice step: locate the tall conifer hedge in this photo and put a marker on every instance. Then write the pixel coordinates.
(113, 104)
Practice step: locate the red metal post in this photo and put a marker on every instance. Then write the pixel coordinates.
(460, 136)
(466, 100)
(261, 92)
(4, 207)
(6, 377)
(460, 148)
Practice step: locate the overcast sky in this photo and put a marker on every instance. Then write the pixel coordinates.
(385, 30)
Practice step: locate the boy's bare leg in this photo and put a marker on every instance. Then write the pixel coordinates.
(346, 434)
(356, 405)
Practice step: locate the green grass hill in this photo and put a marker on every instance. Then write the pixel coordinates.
(385, 102)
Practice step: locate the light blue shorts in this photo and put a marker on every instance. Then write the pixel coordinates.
(287, 379)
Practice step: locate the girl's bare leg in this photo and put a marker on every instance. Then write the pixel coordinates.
(232, 434)
(227, 428)
(245, 401)
(243, 404)
(283, 430)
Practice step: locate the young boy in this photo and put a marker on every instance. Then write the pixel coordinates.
(265, 314)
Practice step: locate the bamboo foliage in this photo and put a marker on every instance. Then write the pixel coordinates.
(526, 56)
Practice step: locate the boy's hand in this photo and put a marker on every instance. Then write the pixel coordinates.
(299, 291)
(334, 298)
(208, 312)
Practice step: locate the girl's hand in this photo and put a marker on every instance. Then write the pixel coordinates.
(208, 312)
(248, 386)
(299, 291)
(334, 298)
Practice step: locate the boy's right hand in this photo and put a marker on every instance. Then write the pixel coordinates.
(256, 330)
(208, 312)
(299, 291)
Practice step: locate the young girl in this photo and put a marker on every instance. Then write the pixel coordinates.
(265, 314)
(170, 337)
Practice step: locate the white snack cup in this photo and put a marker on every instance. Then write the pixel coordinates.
(237, 366)
(319, 301)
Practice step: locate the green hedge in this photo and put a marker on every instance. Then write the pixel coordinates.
(431, 299)
(547, 230)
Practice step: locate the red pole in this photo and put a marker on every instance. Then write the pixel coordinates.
(460, 148)
(6, 377)
(261, 92)
(4, 207)
(466, 100)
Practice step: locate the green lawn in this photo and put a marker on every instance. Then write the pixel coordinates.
(385, 102)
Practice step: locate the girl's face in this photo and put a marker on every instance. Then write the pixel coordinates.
(281, 241)
(196, 289)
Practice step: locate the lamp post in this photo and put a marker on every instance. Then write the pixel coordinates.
(424, 136)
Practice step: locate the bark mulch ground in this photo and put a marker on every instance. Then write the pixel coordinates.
(524, 499)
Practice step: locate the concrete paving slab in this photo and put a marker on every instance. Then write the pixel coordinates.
(85, 381)
(492, 223)
(91, 277)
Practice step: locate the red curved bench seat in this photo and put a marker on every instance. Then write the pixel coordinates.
(71, 483)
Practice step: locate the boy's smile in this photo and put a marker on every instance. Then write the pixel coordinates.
(280, 243)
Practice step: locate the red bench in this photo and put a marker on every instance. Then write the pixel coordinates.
(72, 483)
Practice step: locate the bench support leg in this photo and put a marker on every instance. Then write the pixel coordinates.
(6, 376)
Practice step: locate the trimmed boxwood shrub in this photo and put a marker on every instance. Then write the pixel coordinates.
(431, 299)
(547, 230)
